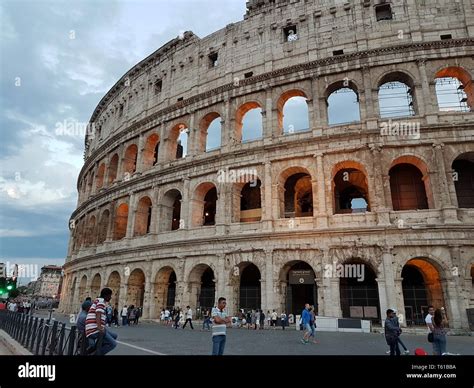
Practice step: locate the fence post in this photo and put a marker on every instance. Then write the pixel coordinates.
(25, 330)
(61, 339)
(40, 336)
(28, 334)
(72, 341)
(33, 333)
(52, 344)
(45, 337)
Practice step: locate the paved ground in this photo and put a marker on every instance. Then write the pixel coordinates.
(152, 338)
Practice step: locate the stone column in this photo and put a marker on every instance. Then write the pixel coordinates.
(383, 302)
(228, 126)
(269, 290)
(267, 197)
(268, 121)
(318, 102)
(132, 209)
(429, 94)
(321, 211)
(141, 150)
(368, 103)
(377, 195)
(186, 207)
(193, 137)
(449, 210)
(223, 214)
(148, 294)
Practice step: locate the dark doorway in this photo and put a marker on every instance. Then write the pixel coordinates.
(414, 295)
(250, 292)
(208, 290)
(170, 298)
(301, 288)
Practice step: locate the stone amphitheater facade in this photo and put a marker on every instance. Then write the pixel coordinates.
(142, 225)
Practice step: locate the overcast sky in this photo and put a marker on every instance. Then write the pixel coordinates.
(58, 59)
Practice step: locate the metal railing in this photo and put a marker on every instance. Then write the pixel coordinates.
(41, 336)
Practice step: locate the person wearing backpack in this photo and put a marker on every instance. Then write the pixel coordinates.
(439, 331)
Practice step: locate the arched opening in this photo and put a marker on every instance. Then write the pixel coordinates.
(249, 122)
(95, 286)
(99, 178)
(293, 112)
(396, 96)
(90, 181)
(79, 234)
(143, 217)
(358, 289)
(150, 152)
(249, 288)
(202, 287)
(82, 289)
(136, 288)
(343, 103)
(171, 211)
(121, 219)
(463, 176)
(351, 192)
(298, 196)
(164, 289)
(298, 283)
(178, 142)
(210, 130)
(72, 296)
(408, 188)
(114, 284)
(113, 168)
(103, 227)
(454, 90)
(130, 161)
(422, 287)
(205, 205)
(90, 233)
(251, 202)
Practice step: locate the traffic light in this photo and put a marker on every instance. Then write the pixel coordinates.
(11, 284)
(3, 285)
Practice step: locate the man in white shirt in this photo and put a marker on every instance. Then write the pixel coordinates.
(189, 317)
(429, 318)
(167, 317)
(221, 320)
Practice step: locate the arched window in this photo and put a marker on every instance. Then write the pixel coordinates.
(99, 179)
(205, 204)
(103, 227)
(178, 142)
(454, 90)
(396, 91)
(343, 103)
(121, 219)
(249, 122)
(143, 217)
(298, 196)
(150, 153)
(130, 160)
(350, 191)
(113, 166)
(463, 176)
(408, 188)
(210, 132)
(250, 202)
(293, 112)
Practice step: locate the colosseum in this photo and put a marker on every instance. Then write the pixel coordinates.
(261, 162)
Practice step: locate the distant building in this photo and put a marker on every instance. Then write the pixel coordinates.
(49, 281)
(31, 288)
(2, 270)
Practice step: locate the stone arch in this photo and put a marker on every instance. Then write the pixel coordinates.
(422, 286)
(90, 233)
(204, 204)
(171, 210)
(114, 283)
(113, 169)
(210, 132)
(295, 193)
(412, 171)
(150, 152)
(136, 288)
(463, 176)
(247, 293)
(202, 287)
(177, 141)
(339, 95)
(103, 226)
(95, 286)
(83, 289)
(121, 220)
(396, 97)
(358, 288)
(248, 201)
(284, 125)
(99, 178)
(294, 292)
(72, 294)
(143, 217)
(454, 89)
(350, 187)
(130, 161)
(244, 127)
(164, 292)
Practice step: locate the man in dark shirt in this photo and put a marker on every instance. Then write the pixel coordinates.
(392, 331)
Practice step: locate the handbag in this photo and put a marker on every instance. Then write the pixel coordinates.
(430, 337)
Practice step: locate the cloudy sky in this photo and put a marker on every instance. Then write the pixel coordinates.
(57, 59)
